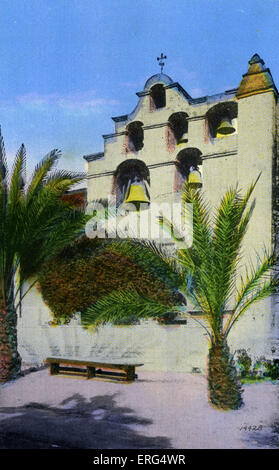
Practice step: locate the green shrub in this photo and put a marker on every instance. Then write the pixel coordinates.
(243, 363)
(262, 368)
(88, 270)
(272, 369)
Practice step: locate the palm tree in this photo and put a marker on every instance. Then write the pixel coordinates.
(34, 225)
(208, 273)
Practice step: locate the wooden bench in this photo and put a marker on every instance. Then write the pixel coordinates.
(92, 369)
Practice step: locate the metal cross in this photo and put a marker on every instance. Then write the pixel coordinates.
(160, 60)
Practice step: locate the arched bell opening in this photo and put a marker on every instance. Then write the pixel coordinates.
(131, 183)
(134, 137)
(221, 119)
(177, 130)
(187, 165)
(178, 123)
(157, 97)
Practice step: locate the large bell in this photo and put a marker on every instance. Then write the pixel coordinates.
(194, 179)
(225, 127)
(136, 195)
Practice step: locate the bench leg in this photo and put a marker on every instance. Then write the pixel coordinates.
(130, 373)
(54, 368)
(91, 372)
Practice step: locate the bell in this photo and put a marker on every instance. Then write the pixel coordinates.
(182, 141)
(225, 127)
(136, 195)
(194, 179)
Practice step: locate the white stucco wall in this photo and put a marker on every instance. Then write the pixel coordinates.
(159, 347)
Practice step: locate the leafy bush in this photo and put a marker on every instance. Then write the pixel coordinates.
(272, 369)
(261, 369)
(243, 363)
(88, 270)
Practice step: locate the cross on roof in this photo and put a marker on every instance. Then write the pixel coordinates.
(160, 60)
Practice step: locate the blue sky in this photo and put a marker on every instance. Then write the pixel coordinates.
(68, 66)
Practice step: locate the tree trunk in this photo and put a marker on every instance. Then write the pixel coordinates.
(223, 384)
(10, 360)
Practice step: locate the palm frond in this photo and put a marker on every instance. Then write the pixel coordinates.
(48, 226)
(198, 260)
(61, 181)
(34, 224)
(3, 160)
(264, 291)
(217, 282)
(256, 284)
(41, 172)
(152, 258)
(226, 245)
(201, 219)
(118, 305)
(200, 253)
(173, 231)
(18, 176)
(13, 214)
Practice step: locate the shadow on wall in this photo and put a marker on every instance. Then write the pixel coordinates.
(77, 424)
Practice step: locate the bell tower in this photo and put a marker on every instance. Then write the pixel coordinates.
(257, 102)
(257, 155)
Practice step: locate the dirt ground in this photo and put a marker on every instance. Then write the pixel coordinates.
(158, 411)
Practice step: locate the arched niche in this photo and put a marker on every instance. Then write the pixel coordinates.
(187, 161)
(134, 137)
(177, 130)
(157, 97)
(128, 172)
(225, 113)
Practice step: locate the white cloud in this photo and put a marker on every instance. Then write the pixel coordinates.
(182, 71)
(135, 84)
(82, 102)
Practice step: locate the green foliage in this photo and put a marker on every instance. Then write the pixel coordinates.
(262, 369)
(244, 362)
(34, 222)
(119, 305)
(91, 269)
(34, 226)
(212, 262)
(153, 259)
(272, 369)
